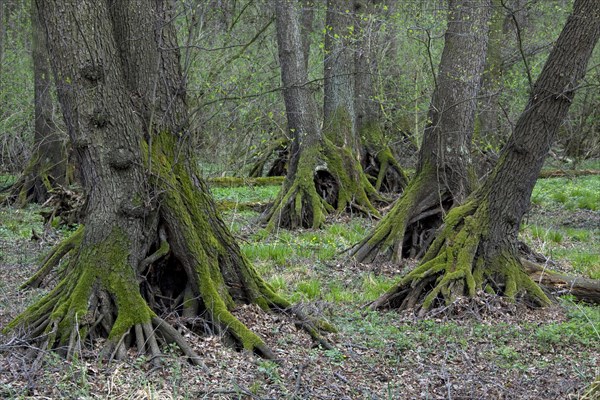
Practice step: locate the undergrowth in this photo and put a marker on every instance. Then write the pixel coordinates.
(308, 266)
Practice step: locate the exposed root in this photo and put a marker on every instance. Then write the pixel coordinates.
(406, 230)
(189, 267)
(277, 149)
(354, 190)
(384, 170)
(296, 206)
(53, 259)
(327, 179)
(456, 265)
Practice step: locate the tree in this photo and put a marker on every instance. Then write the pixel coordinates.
(323, 175)
(298, 203)
(443, 177)
(47, 168)
(377, 158)
(151, 240)
(477, 248)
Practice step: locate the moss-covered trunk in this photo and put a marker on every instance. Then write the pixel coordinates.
(322, 177)
(47, 168)
(152, 241)
(476, 249)
(377, 158)
(443, 173)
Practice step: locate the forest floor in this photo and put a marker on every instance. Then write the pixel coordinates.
(484, 349)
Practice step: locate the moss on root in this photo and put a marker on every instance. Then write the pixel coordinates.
(457, 265)
(101, 293)
(388, 236)
(298, 204)
(208, 252)
(307, 199)
(96, 276)
(380, 164)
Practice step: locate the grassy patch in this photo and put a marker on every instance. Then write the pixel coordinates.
(578, 248)
(17, 224)
(569, 193)
(246, 194)
(583, 326)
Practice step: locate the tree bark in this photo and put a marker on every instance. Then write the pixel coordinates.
(47, 168)
(377, 158)
(477, 247)
(322, 177)
(338, 106)
(298, 204)
(152, 241)
(443, 176)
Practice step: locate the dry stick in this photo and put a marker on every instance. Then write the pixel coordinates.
(139, 339)
(299, 380)
(116, 353)
(171, 333)
(152, 344)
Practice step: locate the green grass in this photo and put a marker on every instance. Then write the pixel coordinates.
(17, 224)
(246, 194)
(569, 193)
(582, 326)
(577, 247)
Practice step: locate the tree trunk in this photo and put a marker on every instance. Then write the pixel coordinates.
(2, 37)
(47, 168)
(487, 124)
(298, 203)
(377, 158)
(307, 19)
(152, 241)
(477, 247)
(338, 106)
(443, 176)
(321, 176)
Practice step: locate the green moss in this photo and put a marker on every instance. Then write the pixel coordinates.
(298, 199)
(373, 139)
(389, 232)
(209, 246)
(460, 266)
(62, 249)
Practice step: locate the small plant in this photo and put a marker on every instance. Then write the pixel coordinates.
(311, 289)
(338, 294)
(271, 371)
(336, 356)
(374, 286)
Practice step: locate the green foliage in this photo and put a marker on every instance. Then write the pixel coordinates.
(310, 289)
(582, 326)
(576, 246)
(16, 90)
(18, 224)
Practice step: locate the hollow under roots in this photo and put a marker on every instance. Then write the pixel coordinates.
(328, 179)
(456, 265)
(407, 230)
(193, 269)
(93, 300)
